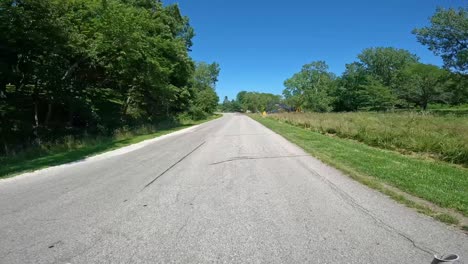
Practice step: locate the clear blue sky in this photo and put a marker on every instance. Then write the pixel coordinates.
(260, 43)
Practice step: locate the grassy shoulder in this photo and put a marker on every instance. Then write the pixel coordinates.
(58, 155)
(440, 183)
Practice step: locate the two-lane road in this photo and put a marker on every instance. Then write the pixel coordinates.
(229, 190)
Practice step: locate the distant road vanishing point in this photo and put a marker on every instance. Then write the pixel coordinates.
(229, 190)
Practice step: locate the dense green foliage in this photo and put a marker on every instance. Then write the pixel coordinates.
(252, 102)
(382, 79)
(205, 100)
(90, 67)
(311, 88)
(230, 105)
(448, 36)
(440, 137)
(423, 84)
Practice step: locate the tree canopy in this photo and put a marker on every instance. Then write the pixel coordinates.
(311, 88)
(447, 36)
(257, 102)
(86, 66)
(424, 83)
(385, 63)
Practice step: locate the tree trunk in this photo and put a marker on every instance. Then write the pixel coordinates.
(125, 108)
(35, 97)
(48, 115)
(70, 116)
(5, 149)
(36, 122)
(425, 98)
(3, 89)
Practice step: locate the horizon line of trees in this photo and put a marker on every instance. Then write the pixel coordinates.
(251, 101)
(91, 67)
(383, 78)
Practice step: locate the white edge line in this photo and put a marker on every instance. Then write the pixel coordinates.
(97, 157)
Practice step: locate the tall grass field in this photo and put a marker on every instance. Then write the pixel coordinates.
(442, 137)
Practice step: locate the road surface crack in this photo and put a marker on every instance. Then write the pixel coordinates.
(350, 200)
(184, 225)
(173, 165)
(256, 158)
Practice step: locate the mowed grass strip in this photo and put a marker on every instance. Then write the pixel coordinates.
(443, 184)
(11, 166)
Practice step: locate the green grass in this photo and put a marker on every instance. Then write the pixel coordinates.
(462, 107)
(443, 184)
(446, 218)
(440, 137)
(80, 149)
(456, 112)
(441, 109)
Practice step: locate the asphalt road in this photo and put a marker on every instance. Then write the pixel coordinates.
(229, 190)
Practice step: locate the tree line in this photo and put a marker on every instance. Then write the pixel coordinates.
(251, 101)
(383, 78)
(92, 66)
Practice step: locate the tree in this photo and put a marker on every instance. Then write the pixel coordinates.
(86, 66)
(230, 106)
(226, 105)
(385, 63)
(256, 102)
(34, 59)
(204, 84)
(376, 96)
(349, 92)
(235, 106)
(358, 89)
(448, 36)
(240, 96)
(311, 88)
(456, 87)
(424, 84)
(206, 75)
(206, 101)
(383, 66)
